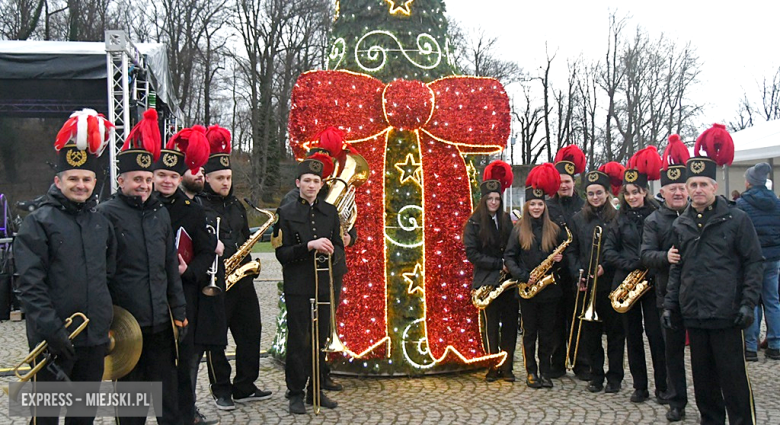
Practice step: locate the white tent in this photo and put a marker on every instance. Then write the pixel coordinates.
(760, 143)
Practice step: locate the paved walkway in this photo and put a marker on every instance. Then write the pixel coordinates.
(456, 398)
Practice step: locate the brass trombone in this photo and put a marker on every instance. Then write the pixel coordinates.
(212, 289)
(333, 344)
(588, 312)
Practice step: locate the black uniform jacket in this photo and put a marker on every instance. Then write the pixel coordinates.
(190, 215)
(299, 223)
(65, 255)
(234, 226)
(521, 262)
(487, 260)
(562, 209)
(657, 239)
(624, 241)
(721, 268)
(147, 279)
(579, 252)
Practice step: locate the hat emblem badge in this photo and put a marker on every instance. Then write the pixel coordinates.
(569, 168)
(144, 160)
(592, 177)
(76, 158)
(673, 174)
(170, 160)
(631, 176)
(697, 167)
(225, 161)
(315, 166)
(492, 185)
(538, 193)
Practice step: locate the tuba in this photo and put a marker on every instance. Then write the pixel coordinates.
(484, 295)
(543, 279)
(633, 287)
(234, 271)
(352, 173)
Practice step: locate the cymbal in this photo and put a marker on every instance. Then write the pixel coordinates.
(124, 347)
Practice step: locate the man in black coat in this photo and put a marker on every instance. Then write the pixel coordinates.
(715, 287)
(306, 228)
(65, 254)
(188, 222)
(242, 308)
(147, 281)
(658, 253)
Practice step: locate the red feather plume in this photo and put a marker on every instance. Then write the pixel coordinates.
(332, 140)
(615, 172)
(501, 171)
(676, 153)
(88, 129)
(574, 154)
(544, 177)
(717, 142)
(193, 143)
(219, 139)
(327, 163)
(648, 162)
(146, 135)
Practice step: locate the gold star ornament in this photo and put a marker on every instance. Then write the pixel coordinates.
(400, 6)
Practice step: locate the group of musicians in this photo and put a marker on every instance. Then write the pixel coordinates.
(700, 255)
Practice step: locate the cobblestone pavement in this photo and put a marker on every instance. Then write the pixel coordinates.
(463, 398)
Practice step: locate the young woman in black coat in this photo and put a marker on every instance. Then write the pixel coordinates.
(485, 237)
(533, 239)
(622, 253)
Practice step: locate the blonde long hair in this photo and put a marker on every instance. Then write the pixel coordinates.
(550, 230)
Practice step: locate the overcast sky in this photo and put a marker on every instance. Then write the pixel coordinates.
(737, 42)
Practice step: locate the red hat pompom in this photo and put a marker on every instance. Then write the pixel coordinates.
(648, 162)
(219, 139)
(574, 154)
(717, 142)
(501, 171)
(88, 129)
(544, 177)
(676, 153)
(327, 163)
(332, 140)
(615, 172)
(146, 135)
(193, 143)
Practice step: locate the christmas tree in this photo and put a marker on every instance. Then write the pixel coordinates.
(405, 306)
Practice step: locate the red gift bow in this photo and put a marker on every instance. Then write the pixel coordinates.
(451, 116)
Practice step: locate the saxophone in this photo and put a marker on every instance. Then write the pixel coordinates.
(542, 279)
(484, 295)
(633, 287)
(234, 271)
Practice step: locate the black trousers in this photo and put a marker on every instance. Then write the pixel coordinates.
(242, 310)
(675, 362)
(218, 369)
(562, 327)
(644, 310)
(185, 380)
(501, 322)
(720, 376)
(298, 367)
(538, 324)
(157, 364)
(612, 325)
(86, 366)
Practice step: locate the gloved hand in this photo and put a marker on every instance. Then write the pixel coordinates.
(181, 328)
(60, 345)
(666, 320)
(744, 317)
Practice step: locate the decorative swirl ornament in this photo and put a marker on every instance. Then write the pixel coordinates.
(409, 219)
(427, 47)
(338, 51)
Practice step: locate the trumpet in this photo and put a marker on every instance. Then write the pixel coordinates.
(234, 271)
(333, 344)
(212, 289)
(588, 312)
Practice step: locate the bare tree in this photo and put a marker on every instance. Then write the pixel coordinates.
(477, 53)
(529, 120)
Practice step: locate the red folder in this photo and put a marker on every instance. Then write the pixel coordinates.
(184, 245)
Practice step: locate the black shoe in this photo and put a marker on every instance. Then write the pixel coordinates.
(664, 397)
(556, 373)
(533, 381)
(296, 405)
(324, 400)
(224, 403)
(675, 414)
(508, 376)
(201, 420)
(257, 395)
(492, 375)
(583, 375)
(595, 387)
(751, 356)
(331, 385)
(772, 353)
(612, 387)
(546, 382)
(638, 396)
